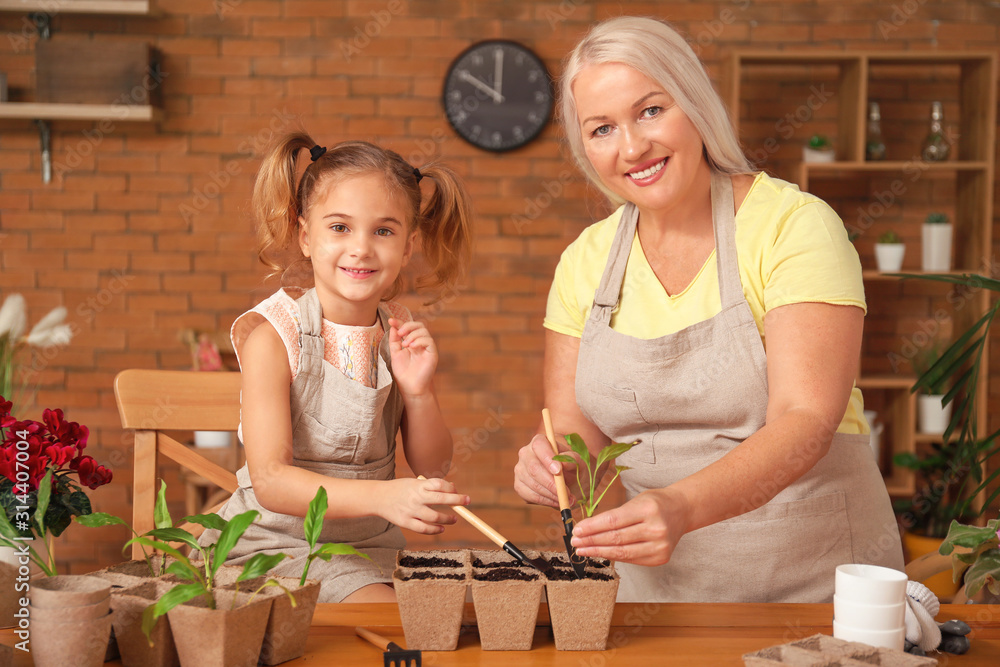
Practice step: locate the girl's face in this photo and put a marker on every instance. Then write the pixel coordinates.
(643, 147)
(356, 234)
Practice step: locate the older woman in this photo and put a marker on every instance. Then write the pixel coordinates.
(716, 316)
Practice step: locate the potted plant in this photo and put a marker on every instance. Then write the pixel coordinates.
(936, 235)
(889, 252)
(819, 149)
(506, 597)
(431, 599)
(205, 356)
(975, 557)
(211, 628)
(933, 414)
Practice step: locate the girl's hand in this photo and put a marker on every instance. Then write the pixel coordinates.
(643, 531)
(534, 474)
(414, 357)
(407, 503)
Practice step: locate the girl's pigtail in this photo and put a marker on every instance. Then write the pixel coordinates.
(446, 230)
(275, 199)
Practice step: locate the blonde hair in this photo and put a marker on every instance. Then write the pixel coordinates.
(656, 50)
(443, 225)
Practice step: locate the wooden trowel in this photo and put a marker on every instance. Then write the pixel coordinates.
(578, 562)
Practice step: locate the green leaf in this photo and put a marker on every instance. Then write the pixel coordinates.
(314, 517)
(983, 571)
(230, 536)
(578, 446)
(161, 513)
(564, 458)
(211, 521)
(613, 451)
(182, 571)
(327, 550)
(260, 564)
(969, 537)
(164, 547)
(42, 506)
(179, 594)
(99, 519)
(6, 529)
(174, 535)
(76, 503)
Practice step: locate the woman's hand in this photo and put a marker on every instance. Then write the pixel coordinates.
(408, 503)
(643, 531)
(534, 474)
(414, 356)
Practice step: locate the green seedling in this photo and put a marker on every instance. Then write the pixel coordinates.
(936, 219)
(612, 451)
(313, 525)
(161, 519)
(201, 577)
(889, 237)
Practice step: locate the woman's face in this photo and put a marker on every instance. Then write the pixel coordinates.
(643, 147)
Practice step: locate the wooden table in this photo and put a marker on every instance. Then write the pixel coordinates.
(650, 634)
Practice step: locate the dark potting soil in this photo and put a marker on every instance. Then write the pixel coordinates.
(561, 574)
(476, 562)
(504, 574)
(431, 575)
(427, 561)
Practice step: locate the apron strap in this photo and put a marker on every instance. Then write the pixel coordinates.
(727, 263)
(608, 291)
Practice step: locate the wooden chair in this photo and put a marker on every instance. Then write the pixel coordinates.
(153, 401)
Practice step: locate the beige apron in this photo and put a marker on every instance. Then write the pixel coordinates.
(343, 429)
(691, 397)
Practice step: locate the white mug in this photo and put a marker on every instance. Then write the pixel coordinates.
(870, 584)
(871, 616)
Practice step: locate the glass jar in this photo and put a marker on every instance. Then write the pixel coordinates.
(874, 146)
(936, 145)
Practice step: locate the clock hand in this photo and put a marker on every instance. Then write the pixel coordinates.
(498, 73)
(464, 75)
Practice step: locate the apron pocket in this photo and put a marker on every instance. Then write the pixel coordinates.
(616, 413)
(326, 444)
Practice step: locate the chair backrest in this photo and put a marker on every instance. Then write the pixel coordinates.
(153, 401)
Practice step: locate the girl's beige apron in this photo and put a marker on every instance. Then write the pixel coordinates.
(343, 429)
(691, 397)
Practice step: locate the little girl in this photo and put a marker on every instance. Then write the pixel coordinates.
(331, 373)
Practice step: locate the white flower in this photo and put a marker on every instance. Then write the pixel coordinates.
(50, 330)
(13, 317)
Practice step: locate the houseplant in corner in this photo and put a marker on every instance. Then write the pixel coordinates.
(977, 564)
(211, 628)
(889, 252)
(819, 149)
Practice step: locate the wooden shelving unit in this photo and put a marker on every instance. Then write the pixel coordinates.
(127, 7)
(778, 99)
(85, 112)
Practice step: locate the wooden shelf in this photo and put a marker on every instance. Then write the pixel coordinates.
(86, 112)
(130, 7)
(874, 274)
(894, 165)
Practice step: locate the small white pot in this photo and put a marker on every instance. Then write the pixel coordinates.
(889, 256)
(933, 417)
(213, 439)
(813, 155)
(936, 247)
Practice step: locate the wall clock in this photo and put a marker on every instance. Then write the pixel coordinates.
(498, 95)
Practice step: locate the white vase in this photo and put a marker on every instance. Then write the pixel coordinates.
(933, 417)
(213, 439)
(889, 256)
(936, 247)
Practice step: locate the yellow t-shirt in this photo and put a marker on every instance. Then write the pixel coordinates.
(791, 247)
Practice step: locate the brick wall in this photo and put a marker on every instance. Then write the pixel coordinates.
(144, 229)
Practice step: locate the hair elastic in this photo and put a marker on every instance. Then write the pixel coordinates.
(316, 152)
(417, 174)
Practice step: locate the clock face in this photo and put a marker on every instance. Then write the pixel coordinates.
(498, 95)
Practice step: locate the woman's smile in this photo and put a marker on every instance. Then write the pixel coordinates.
(647, 175)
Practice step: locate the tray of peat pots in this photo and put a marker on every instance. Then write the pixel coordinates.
(506, 595)
(70, 620)
(430, 588)
(580, 609)
(287, 626)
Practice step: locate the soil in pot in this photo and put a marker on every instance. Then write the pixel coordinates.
(134, 572)
(220, 636)
(126, 608)
(506, 599)
(581, 609)
(431, 602)
(456, 558)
